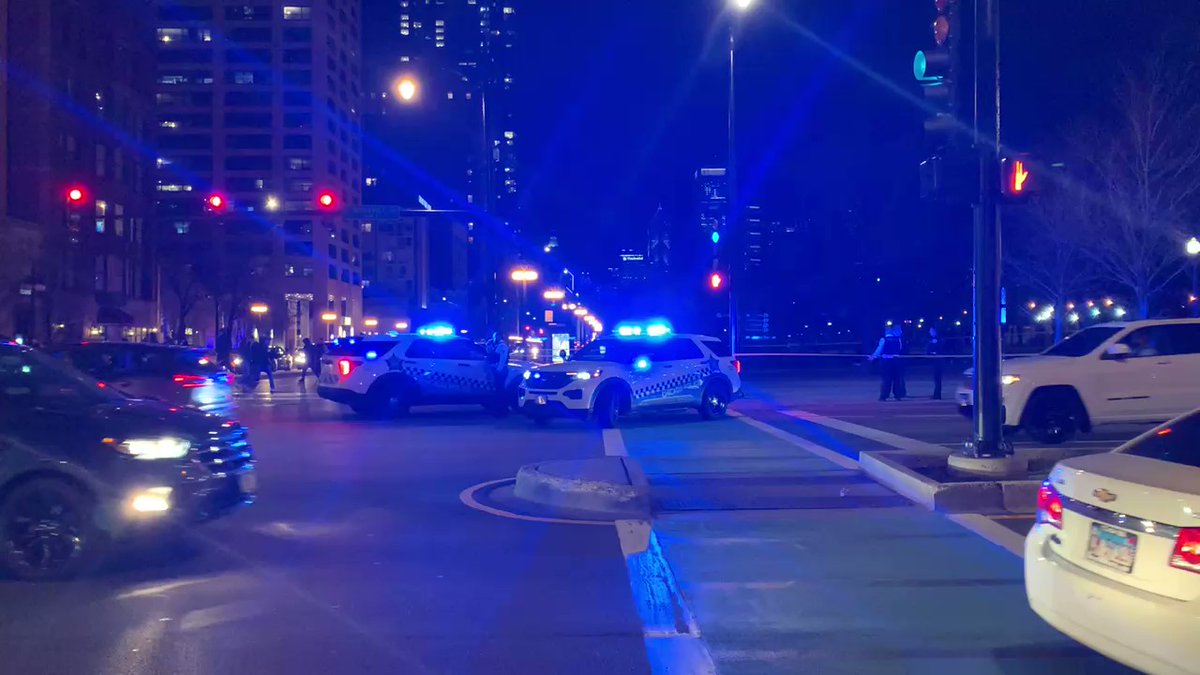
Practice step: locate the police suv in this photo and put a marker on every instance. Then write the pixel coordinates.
(385, 375)
(640, 368)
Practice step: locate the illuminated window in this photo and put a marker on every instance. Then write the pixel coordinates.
(509, 135)
(294, 13)
(172, 34)
(372, 182)
(509, 10)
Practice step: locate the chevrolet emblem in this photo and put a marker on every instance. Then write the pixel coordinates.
(1104, 495)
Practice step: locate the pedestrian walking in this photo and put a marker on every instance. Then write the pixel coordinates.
(934, 350)
(260, 357)
(888, 352)
(312, 360)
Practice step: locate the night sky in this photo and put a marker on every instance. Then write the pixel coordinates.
(623, 100)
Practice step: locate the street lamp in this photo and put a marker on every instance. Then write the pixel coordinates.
(272, 203)
(1193, 250)
(406, 89)
(740, 7)
(523, 276)
(554, 294)
(329, 318)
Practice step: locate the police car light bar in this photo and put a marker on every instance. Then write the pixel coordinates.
(654, 328)
(436, 330)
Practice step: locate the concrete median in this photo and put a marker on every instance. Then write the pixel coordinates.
(610, 486)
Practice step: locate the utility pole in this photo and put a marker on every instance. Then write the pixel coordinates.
(988, 424)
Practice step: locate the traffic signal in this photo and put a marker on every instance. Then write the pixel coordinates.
(946, 172)
(326, 200)
(75, 194)
(1015, 177)
(716, 281)
(216, 202)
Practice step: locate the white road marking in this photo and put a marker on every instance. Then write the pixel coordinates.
(992, 531)
(802, 443)
(885, 437)
(467, 497)
(163, 588)
(614, 443)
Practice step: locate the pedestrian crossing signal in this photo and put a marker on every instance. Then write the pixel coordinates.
(1016, 177)
(715, 281)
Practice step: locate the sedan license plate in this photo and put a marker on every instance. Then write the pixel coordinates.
(248, 483)
(541, 400)
(1112, 547)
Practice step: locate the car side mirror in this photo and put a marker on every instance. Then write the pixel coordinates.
(1117, 352)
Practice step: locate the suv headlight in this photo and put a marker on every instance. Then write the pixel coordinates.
(166, 447)
(585, 375)
(1009, 379)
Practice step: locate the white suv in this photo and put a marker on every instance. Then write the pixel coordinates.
(386, 375)
(1142, 371)
(618, 375)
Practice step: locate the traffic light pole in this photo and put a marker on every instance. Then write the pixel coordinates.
(988, 441)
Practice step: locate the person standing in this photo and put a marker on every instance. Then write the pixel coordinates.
(890, 346)
(312, 360)
(497, 356)
(260, 356)
(934, 350)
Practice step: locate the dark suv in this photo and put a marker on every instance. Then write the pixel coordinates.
(82, 466)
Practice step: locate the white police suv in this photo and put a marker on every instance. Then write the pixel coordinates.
(640, 368)
(386, 375)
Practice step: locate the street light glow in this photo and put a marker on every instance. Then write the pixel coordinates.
(581, 312)
(272, 203)
(742, 5)
(554, 294)
(524, 274)
(406, 89)
(1193, 246)
(329, 317)
(259, 308)
(370, 323)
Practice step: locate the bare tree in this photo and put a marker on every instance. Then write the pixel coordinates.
(183, 277)
(1042, 252)
(1144, 169)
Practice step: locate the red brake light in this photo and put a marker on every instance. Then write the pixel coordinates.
(345, 367)
(190, 381)
(737, 365)
(1050, 506)
(1186, 555)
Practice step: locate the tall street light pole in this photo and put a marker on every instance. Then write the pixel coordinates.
(1193, 250)
(739, 8)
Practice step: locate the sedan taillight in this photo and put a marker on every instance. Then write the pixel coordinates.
(1186, 555)
(190, 381)
(1049, 505)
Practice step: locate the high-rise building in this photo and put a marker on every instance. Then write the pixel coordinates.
(440, 109)
(77, 94)
(258, 104)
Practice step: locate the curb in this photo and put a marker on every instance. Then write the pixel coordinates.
(1008, 496)
(605, 485)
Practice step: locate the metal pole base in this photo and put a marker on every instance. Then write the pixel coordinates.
(989, 467)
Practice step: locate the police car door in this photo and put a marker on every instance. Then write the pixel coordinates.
(684, 367)
(472, 374)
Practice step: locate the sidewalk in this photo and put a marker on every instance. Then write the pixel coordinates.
(792, 562)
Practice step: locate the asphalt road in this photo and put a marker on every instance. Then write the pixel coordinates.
(359, 557)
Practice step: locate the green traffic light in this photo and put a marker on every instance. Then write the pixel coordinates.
(716, 237)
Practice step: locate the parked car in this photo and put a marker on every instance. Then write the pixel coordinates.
(1114, 558)
(84, 468)
(281, 358)
(177, 375)
(1141, 371)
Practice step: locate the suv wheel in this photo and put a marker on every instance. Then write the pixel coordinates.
(47, 531)
(608, 408)
(388, 400)
(1052, 417)
(714, 402)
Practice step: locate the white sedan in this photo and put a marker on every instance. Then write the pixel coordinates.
(1114, 559)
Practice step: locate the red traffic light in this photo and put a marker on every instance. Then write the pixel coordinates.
(75, 194)
(327, 200)
(716, 281)
(215, 202)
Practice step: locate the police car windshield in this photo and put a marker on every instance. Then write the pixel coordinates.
(360, 347)
(613, 350)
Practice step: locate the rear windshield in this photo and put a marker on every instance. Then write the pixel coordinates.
(718, 347)
(1177, 442)
(360, 347)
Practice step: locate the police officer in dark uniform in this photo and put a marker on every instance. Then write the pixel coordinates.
(935, 350)
(889, 349)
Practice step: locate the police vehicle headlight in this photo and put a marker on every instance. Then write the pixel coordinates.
(585, 375)
(166, 447)
(1010, 379)
(526, 375)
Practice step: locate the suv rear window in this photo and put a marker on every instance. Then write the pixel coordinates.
(1177, 442)
(359, 347)
(718, 347)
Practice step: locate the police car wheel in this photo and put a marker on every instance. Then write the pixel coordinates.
(608, 409)
(386, 402)
(714, 402)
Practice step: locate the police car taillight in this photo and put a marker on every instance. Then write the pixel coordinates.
(737, 366)
(345, 367)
